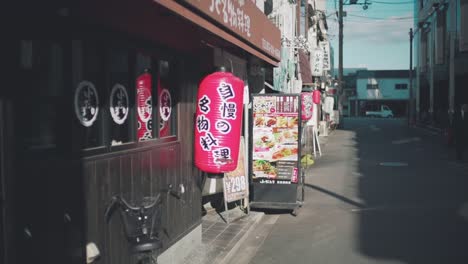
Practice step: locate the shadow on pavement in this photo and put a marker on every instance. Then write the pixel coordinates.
(335, 195)
(412, 213)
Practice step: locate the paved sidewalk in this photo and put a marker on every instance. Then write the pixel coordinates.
(221, 240)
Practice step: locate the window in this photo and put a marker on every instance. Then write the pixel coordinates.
(166, 96)
(423, 52)
(42, 68)
(89, 92)
(440, 37)
(144, 97)
(121, 96)
(372, 86)
(401, 86)
(463, 25)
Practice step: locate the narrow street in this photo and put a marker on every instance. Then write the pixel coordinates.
(381, 193)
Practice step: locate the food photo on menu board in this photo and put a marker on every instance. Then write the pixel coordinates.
(275, 142)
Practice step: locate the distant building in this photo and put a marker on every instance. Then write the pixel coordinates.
(379, 87)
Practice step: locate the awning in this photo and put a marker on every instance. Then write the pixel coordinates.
(270, 50)
(304, 68)
(178, 26)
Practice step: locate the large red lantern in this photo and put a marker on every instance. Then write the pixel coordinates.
(307, 106)
(144, 106)
(316, 96)
(218, 122)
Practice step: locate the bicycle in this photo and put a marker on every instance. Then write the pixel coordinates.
(142, 223)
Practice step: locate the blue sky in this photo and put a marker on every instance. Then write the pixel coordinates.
(376, 38)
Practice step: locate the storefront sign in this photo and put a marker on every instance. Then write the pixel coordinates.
(86, 103)
(275, 139)
(307, 105)
(317, 62)
(144, 107)
(246, 20)
(325, 46)
(165, 103)
(119, 104)
(235, 183)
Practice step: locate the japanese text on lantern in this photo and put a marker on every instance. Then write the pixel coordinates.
(228, 110)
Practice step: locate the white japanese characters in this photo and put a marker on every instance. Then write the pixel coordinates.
(86, 103)
(227, 110)
(232, 14)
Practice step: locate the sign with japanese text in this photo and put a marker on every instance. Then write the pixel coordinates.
(86, 103)
(218, 122)
(325, 46)
(275, 135)
(246, 20)
(317, 62)
(144, 107)
(235, 183)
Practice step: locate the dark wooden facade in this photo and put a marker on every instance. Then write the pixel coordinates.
(54, 193)
(57, 176)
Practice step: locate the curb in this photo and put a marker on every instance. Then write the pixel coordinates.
(230, 254)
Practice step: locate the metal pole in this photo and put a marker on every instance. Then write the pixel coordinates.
(411, 101)
(340, 61)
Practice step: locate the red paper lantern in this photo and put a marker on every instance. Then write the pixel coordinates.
(307, 106)
(316, 96)
(218, 122)
(144, 106)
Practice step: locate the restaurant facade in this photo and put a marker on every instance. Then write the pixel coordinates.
(102, 103)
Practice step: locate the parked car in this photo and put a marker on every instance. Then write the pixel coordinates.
(384, 111)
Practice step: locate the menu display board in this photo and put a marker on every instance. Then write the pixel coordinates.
(275, 135)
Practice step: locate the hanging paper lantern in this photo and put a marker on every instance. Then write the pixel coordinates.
(316, 96)
(218, 122)
(144, 106)
(307, 106)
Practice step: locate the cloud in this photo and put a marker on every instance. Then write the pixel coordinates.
(379, 31)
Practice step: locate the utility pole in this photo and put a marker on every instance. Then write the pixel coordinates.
(411, 106)
(340, 61)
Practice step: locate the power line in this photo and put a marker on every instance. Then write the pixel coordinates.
(382, 18)
(393, 3)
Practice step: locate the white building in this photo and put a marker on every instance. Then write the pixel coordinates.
(381, 87)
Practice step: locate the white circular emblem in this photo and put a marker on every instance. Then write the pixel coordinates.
(86, 103)
(119, 104)
(165, 105)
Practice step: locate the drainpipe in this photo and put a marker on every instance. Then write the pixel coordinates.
(431, 77)
(452, 76)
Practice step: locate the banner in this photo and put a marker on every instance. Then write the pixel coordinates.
(317, 62)
(325, 47)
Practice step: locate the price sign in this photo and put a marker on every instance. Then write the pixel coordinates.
(235, 183)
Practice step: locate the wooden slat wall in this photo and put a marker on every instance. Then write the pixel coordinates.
(134, 175)
(143, 172)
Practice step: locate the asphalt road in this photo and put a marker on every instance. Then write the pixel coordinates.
(381, 193)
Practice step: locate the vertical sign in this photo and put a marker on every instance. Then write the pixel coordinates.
(275, 139)
(235, 183)
(325, 47)
(317, 62)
